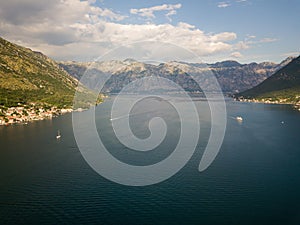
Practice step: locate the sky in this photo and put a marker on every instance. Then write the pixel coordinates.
(241, 30)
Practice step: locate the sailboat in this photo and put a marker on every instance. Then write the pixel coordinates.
(239, 118)
(58, 136)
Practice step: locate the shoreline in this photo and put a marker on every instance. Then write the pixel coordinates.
(267, 101)
(49, 116)
(25, 114)
(22, 114)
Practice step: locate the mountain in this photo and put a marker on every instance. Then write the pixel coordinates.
(30, 77)
(282, 87)
(228, 63)
(233, 77)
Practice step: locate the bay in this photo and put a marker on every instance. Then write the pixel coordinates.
(253, 180)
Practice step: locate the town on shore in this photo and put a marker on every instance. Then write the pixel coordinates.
(26, 113)
(296, 105)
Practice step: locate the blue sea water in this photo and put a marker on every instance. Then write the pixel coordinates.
(253, 180)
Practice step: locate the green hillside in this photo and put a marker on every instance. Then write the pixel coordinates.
(283, 86)
(31, 77)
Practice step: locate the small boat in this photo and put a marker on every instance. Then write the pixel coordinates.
(58, 136)
(239, 118)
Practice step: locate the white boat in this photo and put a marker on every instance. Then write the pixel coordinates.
(239, 118)
(58, 136)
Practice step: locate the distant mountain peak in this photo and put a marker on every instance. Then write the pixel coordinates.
(232, 75)
(287, 61)
(227, 63)
(129, 60)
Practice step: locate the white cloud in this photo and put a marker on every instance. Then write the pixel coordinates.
(241, 45)
(251, 40)
(250, 36)
(94, 40)
(79, 30)
(53, 22)
(293, 54)
(267, 40)
(225, 36)
(223, 4)
(226, 4)
(149, 12)
(236, 55)
(55, 11)
(169, 14)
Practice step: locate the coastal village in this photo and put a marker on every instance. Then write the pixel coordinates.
(24, 114)
(296, 105)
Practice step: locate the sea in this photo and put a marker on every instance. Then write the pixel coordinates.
(254, 178)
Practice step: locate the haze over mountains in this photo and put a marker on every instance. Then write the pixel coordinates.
(233, 77)
(27, 76)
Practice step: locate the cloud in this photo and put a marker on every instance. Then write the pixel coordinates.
(225, 36)
(51, 22)
(229, 3)
(293, 54)
(251, 40)
(149, 12)
(267, 40)
(55, 11)
(223, 4)
(250, 36)
(80, 30)
(241, 45)
(236, 55)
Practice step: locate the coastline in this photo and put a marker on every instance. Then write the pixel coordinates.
(296, 105)
(22, 114)
(25, 114)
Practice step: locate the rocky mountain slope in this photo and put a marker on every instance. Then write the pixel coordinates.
(30, 77)
(282, 87)
(232, 76)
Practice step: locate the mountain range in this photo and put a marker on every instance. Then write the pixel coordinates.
(232, 76)
(28, 77)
